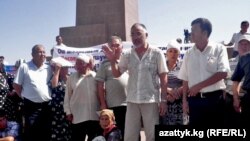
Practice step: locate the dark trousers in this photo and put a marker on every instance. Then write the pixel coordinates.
(206, 111)
(90, 128)
(231, 117)
(120, 115)
(245, 110)
(37, 121)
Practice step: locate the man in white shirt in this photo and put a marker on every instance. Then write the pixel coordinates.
(147, 78)
(31, 82)
(235, 38)
(59, 43)
(204, 67)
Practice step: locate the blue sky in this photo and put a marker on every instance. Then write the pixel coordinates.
(24, 23)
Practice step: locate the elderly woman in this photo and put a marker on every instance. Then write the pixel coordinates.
(107, 122)
(60, 126)
(174, 115)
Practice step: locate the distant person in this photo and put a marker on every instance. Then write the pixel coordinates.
(59, 43)
(204, 68)
(111, 90)
(186, 36)
(1, 59)
(31, 82)
(81, 100)
(235, 38)
(9, 130)
(147, 77)
(242, 72)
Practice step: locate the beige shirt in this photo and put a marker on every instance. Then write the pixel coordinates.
(115, 88)
(198, 66)
(81, 97)
(143, 83)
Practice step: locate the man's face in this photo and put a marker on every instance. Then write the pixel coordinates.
(196, 33)
(39, 55)
(243, 47)
(59, 40)
(244, 27)
(139, 36)
(115, 44)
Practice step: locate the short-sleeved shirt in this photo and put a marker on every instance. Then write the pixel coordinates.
(243, 70)
(12, 129)
(232, 62)
(235, 39)
(34, 81)
(198, 66)
(115, 87)
(143, 83)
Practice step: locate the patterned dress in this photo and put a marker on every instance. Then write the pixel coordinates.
(13, 103)
(174, 115)
(4, 89)
(9, 103)
(60, 126)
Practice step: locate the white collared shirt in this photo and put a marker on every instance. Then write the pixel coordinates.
(34, 81)
(144, 82)
(198, 66)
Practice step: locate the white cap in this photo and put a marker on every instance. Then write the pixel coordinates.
(61, 61)
(84, 57)
(244, 37)
(173, 44)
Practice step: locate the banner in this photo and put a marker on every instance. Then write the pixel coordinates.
(70, 53)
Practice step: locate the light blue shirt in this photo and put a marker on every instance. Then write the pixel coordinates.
(34, 81)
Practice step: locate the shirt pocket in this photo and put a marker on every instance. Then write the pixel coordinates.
(211, 64)
(150, 64)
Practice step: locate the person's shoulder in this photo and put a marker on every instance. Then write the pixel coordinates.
(245, 56)
(154, 48)
(216, 45)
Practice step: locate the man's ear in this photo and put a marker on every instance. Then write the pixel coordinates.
(205, 33)
(146, 34)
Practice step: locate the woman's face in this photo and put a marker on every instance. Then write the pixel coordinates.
(105, 122)
(172, 54)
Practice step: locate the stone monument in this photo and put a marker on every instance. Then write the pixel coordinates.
(97, 20)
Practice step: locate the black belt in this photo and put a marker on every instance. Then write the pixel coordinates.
(29, 102)
(209, 94)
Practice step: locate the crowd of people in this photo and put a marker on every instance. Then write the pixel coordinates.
(133, 89)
